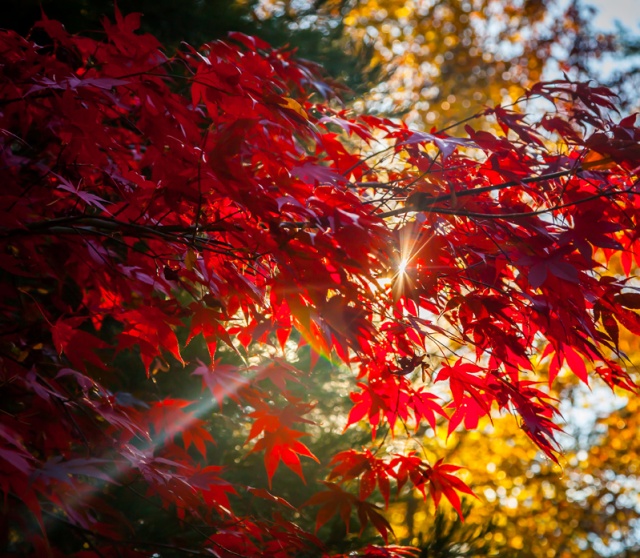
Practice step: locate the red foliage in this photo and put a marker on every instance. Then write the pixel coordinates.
(216, 192)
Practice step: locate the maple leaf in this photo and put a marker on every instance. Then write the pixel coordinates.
(532, 405)
(348, 126)
(425, 407)
(196, 434)
(463, 376)
(58, 469)
(335, 500)
(78, 345)
(214, 489)
(369, 512)
(14, 451)
(205, 321)
(372, 471)
(408, 467)
(442, 482)
(265, 494)
(153, 326)
(313, 172)
(278, 372)
(87, 197)
(293, 105)
(283, 445)
(446, 144)
(332, 501)
(348, 464)
(170, 418)
(468, 411)
(222, 380)
(573, 359)
(388, 398)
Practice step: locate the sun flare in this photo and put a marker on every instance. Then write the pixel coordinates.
(402, 266)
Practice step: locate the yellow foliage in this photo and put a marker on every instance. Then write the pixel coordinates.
(477, 52)
(535, 507)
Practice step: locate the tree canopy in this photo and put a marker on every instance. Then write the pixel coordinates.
(432, 61)
(191, 244)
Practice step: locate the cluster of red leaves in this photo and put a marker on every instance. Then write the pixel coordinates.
(218, 191)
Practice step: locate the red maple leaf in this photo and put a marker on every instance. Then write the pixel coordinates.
(283, 445)
(443, 482)
(223, 381)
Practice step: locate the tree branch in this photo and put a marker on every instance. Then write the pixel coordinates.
(427, 202)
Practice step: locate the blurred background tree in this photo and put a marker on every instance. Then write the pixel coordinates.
(449, 58)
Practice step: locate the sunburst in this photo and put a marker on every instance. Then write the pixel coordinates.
(409, 246)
